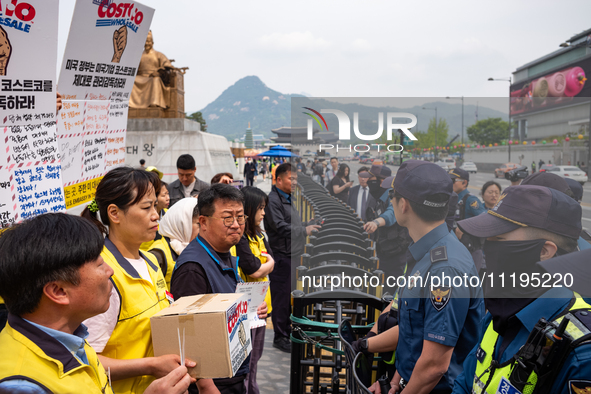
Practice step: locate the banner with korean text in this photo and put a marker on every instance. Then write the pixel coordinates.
(100, 62)
(30, 170)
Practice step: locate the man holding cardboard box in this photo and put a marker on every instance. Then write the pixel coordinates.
(52, 278)
(206, 265)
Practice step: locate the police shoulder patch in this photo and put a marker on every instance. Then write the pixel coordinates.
(579, 386)
(438, 254)
(474, 204)
(440, 297)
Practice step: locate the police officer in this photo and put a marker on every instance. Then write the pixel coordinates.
(528, 224)
(468, 206)
(564, 185)
(438, 325)
(392, 239)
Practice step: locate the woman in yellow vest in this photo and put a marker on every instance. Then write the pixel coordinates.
(126, 202)
(255, 263)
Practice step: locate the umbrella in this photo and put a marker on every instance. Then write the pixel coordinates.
(278, 151)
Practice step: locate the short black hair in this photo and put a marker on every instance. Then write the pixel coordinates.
(334, 158)
(218, 191)
(282, 169)
(569, 245)
(44, 249)
(185, 162)
(142, 162)
(489, 184)
(362, 169)
(426, 213)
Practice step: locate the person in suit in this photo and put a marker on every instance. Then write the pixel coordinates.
(359, 196)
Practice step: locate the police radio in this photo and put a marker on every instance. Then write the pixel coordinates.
(539, 361)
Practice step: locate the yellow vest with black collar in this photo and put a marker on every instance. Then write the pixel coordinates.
(161, 244)
(33, 355)
(140, 300)
(484, 383)
(257, 247)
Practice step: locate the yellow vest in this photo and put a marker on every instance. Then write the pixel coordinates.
(31, 354)
(161, 244)
(140, 300)
(482, 374)
(257, 247)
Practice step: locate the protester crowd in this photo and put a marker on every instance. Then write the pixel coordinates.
(78, 292)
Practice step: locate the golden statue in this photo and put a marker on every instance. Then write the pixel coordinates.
(149, 89)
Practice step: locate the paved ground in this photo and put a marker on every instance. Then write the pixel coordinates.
(273, 369)
(274, 365)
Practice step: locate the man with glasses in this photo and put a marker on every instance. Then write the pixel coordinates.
(206, 265)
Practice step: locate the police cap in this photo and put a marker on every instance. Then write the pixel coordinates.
(528, 206)
(458, 173)
(380, 171)
(419, 180)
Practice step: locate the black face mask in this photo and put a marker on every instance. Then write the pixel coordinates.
(375, 189)
(510, 257)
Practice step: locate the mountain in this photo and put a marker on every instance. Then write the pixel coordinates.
(250, 100)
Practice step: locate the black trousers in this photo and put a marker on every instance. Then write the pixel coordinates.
(3, 316)
(249, 181)
(281, 295)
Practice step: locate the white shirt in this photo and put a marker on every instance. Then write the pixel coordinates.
(360, 197)
(330, 174)
(101, 327)
(189, 189)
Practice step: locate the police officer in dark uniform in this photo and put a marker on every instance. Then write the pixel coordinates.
(468, 206)
(438, 320)
(517, 350)
(392, 239)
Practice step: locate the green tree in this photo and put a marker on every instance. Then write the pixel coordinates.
(198, 117)
(430, 138)
(489, 131)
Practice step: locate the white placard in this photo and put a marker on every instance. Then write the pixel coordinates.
(255, 293)
(30, 167)
(100, 63)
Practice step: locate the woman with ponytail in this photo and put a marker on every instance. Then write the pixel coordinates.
(124, 209)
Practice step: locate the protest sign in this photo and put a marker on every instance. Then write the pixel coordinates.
(100, 63)
(30, 168)
(255, 294)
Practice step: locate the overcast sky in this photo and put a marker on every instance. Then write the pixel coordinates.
(355, 48)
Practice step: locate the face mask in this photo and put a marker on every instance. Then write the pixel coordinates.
(375, 189)
(508, 257)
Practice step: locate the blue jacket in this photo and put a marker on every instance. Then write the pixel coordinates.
(447, 314)
(473, 206)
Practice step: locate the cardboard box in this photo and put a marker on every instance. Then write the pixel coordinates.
(217, 333)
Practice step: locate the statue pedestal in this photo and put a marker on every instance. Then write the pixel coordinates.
(161, 141)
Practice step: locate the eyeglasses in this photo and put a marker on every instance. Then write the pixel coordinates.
(229, 220)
